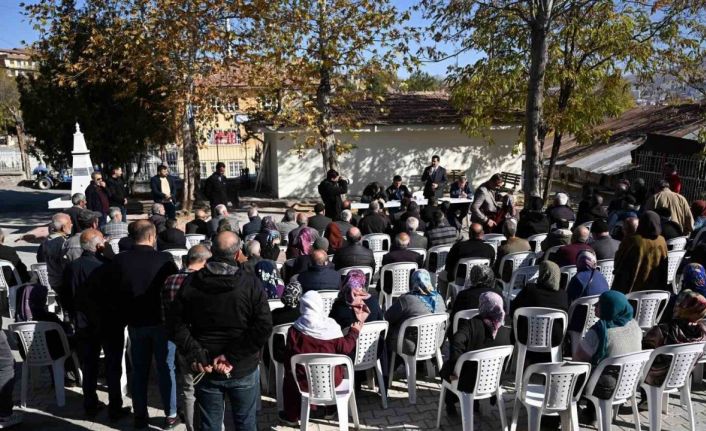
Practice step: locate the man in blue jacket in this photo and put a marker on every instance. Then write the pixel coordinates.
(163, 190)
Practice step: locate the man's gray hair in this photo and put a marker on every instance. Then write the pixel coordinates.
(77, 198)
(402, 240)
(157, 209)
(374, 206)
(412, 224)
(252, 212)
(226, 244)
(252, 248)
(346, 215)
(114, 211)
(198, 253)
(510, 227)
(221, 209)
(57, 221)
(92, 243)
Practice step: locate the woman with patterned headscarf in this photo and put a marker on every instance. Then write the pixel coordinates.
(588, 281)
(269, 239)
(482, 280)
(284, 315)
(422, 299)
(266, 271)
(483, 331)
(354, 303)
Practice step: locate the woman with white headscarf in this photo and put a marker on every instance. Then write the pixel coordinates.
(560, 209)
(312, 332)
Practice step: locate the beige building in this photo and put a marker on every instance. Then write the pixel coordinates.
(15, 62)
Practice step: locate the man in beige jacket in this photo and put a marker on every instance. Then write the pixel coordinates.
(681, 212)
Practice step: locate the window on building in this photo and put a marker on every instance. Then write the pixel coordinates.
(234, 167)
(213, 166)
(204, 169)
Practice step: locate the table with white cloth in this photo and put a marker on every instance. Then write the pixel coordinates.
(420, 202)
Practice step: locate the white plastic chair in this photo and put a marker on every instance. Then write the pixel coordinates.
(275, 304)
(32, 335)
(490, 364)
(368, 271)
(377, 242)
(495, 238)
(588, 303)
(550, 251)
(320, 371)
(606, 267)
(114, 245)
(278, 331)
(401, 272)
(193, 239)
(431, 329)
(540, 324)
(463, 275)
(683, 359)
(650, 306)
(674, 258)
(436, 261)
(567, 273)
(559, 394)
(630, 372)
(4, 284)
(516, 260)
(698, 238)
(677, 244)
(520, 278)
(536, 241)
(328, 297)
(42, 273)
(366, 353)
(178, 256)
(378, 256)
(698, 374)
(421, 251)
(463, 315)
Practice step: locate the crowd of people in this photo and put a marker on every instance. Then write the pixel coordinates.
(207, 324)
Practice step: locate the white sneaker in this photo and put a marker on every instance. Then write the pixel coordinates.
(8, 421)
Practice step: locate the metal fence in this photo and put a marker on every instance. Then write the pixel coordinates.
(691, 170)
(10, 161)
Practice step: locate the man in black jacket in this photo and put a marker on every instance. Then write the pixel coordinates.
(397, 191)
(220, 321)
(354, 254)
(79, 202)
(117, 192)
(434, 177)
(163, 188)
(400, 253)
(96, 196)
(374, 221)
(319, 276)
(171, 237)
(216, 187)
(138, 276)
(331, 190)
(198, 225)
(473, 247)
(319, 221)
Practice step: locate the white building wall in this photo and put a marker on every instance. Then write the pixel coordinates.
(382, 152)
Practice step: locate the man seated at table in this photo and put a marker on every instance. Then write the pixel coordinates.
(397, 191)
(461, 189)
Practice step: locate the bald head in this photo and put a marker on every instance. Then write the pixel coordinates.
(61, 222)
(302, 219)
(226, 245)
(353, 235)
(476, 231)
(92, 240)
(197, 256)
(630, 226)
(319, 257)
(145, 233)
(402, 240)
(580, 235)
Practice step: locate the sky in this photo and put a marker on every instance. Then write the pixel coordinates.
(14, 29)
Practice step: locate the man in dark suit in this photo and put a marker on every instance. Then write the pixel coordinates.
(434, 178)
(331, 190)
(171, 237)
(400, 252)
(198, 225)
(116, 189)
(79, 202)
(319, 221)
(374, 221)
(473, 247)
(354, 254)
(216, 187)
(345, 222)
(253, 226)
(163, 189)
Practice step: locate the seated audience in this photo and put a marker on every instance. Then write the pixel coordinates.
(353, 254)
(303, 261)
(345, 222)
(412, 211)
(560, 210)
(354, 303)
(604, 246)
(422, 299)
(252, 252)
(430, 209)
(373, 192)
(641, 259)
(472, 247)
(698, 212)
(592, 212)
(694, 279)
(171, 237)
(319, 276)
(482, 280)
(10, 254)
(284, 315)
(401, 253)
(198, 225)
(373, 221)
(252, 227)
(533, 220)
(269, 239)
(319, 221)
(483, 331)
(116, 227)
(588, 280)
(670, 228)
(220, 215)
(312, 332)
(157, 218)
(266, 271)
(558, 236)
(416, 239)
(287, 224)
(397, 191)
(544, 292)
(334, 237)
(566, 255)
(513, 244)
(439, 232)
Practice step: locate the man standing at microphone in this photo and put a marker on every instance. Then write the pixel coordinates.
(331, 190)
(434, 178)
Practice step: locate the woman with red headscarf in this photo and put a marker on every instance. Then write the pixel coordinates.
(334, 237)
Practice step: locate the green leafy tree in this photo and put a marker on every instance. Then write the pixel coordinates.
(422, 81)
(11, 116)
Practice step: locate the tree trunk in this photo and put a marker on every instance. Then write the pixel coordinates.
(192, 165)
(327, 140)
(22, 143)
(535, 103)
(556, 145)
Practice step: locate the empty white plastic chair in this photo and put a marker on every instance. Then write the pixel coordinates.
(278, 331)
(4, 284)
(536, 241)
(698, 374)
(320, 371)
(629, 374)
(366, 353)
(193, 239)
(368, 271)
(559, 394)
(678, 243)
(490, 364)
(463, 315)
(377, 242)
(674, 258)
(32, 335)
(114, 245)
(520, 278)
(328, 297)
(650, 306)
(683, 359)
(400, 275)
(178, 256)
(515, 261)
(540, 324)
(431, 329)
(567, 273)
(588, 304)
(606, 267)
(421, 251)
(463, 275)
